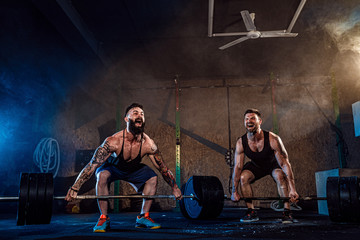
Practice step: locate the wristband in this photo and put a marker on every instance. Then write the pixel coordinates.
(74, 190)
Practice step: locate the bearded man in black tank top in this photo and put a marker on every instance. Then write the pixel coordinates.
(126, 149)
(268, 157)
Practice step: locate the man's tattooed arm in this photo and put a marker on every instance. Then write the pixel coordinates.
(163, 169)
(100, 156)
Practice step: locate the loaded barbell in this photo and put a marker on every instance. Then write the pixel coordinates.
(203, 198)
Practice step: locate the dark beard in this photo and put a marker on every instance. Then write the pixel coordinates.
(136, 130)
(253, 132)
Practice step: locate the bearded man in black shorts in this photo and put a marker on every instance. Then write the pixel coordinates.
(127, 147)
(268, 157)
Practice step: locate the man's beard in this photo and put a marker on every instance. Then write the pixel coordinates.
(136, 130)
(252, 131)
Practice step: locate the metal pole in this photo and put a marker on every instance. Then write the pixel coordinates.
(118, 127)
(339, 140)
(273, 101)
(211, 18)
(177, 134)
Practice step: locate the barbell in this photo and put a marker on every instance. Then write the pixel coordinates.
(342, 196)
(203, 198)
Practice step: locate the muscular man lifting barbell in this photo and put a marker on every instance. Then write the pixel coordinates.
(128, 146)
(268, 157)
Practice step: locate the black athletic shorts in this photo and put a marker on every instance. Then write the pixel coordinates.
(260, 171)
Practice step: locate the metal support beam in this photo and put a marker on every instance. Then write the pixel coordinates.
(296, 15)
(211, 18)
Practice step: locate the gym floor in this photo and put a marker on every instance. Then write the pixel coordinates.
(309, 225)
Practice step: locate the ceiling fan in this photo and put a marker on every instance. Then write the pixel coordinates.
(253, 33)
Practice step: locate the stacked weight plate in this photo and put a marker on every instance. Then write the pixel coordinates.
(35, 198)
(342, 195)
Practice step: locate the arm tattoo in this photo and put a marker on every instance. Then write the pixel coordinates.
(106, 146)
(101, 154)
(165, 172)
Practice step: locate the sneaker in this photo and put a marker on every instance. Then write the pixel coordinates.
(250, 216)
(146, 222)
(103, 224)
(287, 217)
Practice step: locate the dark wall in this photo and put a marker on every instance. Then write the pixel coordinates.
(38, 69)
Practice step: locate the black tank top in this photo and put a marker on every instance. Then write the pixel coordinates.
(265, 158)
(120, 162)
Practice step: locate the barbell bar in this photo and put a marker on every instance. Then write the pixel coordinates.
(192, 197)
(101, 197)
(203, 197)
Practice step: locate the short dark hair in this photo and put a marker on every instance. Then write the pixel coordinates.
(133, 105)
(253, 110)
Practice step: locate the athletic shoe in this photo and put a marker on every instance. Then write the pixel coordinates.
(250, 216)
(287, 217)
(146, 222)
(103, 224)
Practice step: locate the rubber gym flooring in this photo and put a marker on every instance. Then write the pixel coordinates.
(309, 225)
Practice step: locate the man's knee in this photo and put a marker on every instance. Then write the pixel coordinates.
(103, 177)
(245, 179)
(279, 177)
(152, 182)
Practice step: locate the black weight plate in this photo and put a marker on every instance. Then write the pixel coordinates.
(49, 198)
(23, 193)
(192, 206)
(345, 199)
(40, 198)
(333, 198)
(31, 207)
(211, 193)
(355, 203)
(215, 197)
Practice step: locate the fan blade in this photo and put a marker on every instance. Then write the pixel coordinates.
(277, 34)
(233, 43)
(248, 21)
